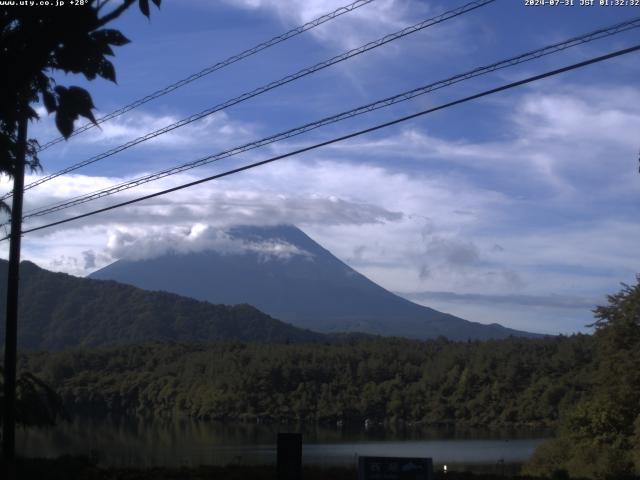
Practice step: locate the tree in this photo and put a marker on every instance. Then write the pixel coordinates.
(37, 403)
(35, 42)
(600, 438)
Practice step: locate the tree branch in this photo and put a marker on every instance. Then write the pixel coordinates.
(114, 13)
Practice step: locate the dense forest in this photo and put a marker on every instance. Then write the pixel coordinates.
(497, 383)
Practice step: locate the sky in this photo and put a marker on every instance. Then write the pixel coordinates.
(520, 208)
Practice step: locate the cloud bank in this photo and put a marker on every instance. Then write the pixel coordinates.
(143, 244)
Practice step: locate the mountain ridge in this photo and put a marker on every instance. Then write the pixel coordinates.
(59, 311)
(309, 288)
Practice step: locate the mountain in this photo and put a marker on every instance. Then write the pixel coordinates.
(59, 311)
(284, 273)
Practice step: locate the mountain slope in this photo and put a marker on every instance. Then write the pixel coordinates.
(309, 288)
(59, 311)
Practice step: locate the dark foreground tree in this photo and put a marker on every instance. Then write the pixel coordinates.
(600, 438)
(35, 43)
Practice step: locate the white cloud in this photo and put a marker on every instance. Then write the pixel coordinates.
(145, 243)
(562, 142)
(218, 126)
(584, 116)
(332, 195)
(271, 196)
(349, 31)
(366, 23)
(216, 130)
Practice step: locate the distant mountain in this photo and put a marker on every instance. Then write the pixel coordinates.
(295, 280)
(59, 311)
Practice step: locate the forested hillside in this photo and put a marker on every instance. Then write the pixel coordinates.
(496, 383)
(60, 311)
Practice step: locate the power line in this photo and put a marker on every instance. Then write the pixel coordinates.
(346, 137)
(224, 63)
(341, 116)
(265, 88)
(525, 57)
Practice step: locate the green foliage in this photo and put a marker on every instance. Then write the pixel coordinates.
(38, 41)
(513, 382)
(37, 404)
(550, 458)
(635, 444)
(601, 435)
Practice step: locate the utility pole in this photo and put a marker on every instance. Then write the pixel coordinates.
(11, 331)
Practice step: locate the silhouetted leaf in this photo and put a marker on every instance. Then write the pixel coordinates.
(72, 101)
(32, 160)
(80, 102)
(72, 58)
(49, 101)
(157, 2)
(111, 36)
(42, 81)
(31, 113)
(64, 122)
(107, 70)
(104, 47)
(60, 90)
(144, 7)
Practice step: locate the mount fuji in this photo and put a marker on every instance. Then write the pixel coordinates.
(284, 273)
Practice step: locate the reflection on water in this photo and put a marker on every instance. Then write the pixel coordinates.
(145, 443)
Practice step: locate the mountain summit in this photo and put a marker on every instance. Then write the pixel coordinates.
(283, 272)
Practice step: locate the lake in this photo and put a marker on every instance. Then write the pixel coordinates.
(145, 443)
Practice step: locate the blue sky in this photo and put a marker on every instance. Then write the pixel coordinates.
(520, 208)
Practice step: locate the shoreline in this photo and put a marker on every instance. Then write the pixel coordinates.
(71, 468)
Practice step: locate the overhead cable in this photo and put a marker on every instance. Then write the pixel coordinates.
(344, 137)
(217, 66)
(265, 88)
(522, 58)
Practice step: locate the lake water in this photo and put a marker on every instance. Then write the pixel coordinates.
(143, 443)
